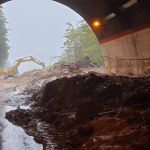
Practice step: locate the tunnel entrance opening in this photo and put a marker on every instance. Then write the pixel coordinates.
(124, 32)
(44, 34)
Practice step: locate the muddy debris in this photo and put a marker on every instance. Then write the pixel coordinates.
(90, 112)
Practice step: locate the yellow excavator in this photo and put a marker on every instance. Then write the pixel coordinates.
(11, 72)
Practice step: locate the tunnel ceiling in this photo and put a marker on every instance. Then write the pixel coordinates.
(116, 16)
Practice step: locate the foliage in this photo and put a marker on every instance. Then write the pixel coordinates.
(3, 39)
(80, 41)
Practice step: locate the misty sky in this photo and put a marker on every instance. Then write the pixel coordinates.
(37, 29)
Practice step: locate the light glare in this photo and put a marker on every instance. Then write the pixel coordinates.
(96, 24)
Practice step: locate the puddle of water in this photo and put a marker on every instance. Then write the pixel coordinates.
(13, 137)
(24, 107)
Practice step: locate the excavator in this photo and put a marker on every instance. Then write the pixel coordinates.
(11, 72)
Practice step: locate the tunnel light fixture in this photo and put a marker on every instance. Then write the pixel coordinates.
(129, 4)
(110, 16)
(97, 24)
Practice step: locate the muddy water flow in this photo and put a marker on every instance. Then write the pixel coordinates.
(13, 137)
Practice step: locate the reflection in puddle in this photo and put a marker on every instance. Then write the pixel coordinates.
(13, 137)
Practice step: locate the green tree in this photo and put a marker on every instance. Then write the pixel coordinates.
(80, 41)
(3, 39)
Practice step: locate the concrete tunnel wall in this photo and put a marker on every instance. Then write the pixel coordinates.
(124, 34)
(129, 54)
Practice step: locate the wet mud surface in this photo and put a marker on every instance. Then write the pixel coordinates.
(88, 112)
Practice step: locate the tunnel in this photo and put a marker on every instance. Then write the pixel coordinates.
(122, 27)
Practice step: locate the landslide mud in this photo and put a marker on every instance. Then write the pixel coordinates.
(89, 112)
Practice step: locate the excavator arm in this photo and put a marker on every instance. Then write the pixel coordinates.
(14, 69)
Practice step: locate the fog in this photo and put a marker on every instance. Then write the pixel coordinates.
(36, 28)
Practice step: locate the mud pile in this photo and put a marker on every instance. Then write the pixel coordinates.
(91, 112)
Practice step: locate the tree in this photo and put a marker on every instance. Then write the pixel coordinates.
(3, 39)
(80, 41)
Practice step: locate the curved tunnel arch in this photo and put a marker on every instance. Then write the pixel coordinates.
(122, 31)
